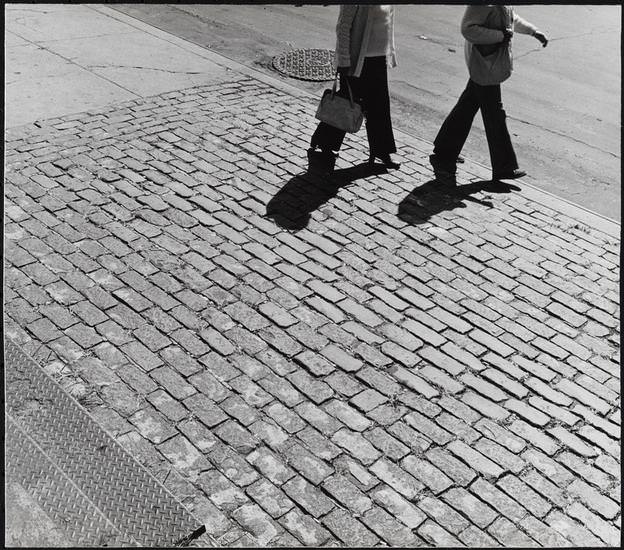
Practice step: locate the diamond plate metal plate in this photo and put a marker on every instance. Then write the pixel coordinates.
(78, 472)
(67, 506)
(306, 64)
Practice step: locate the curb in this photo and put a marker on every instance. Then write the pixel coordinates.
(593, 219)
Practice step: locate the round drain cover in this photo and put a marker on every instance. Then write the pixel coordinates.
(306, 64)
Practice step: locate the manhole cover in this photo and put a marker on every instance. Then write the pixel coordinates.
(306, 64)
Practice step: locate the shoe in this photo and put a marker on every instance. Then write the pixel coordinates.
(386, 161)
(327, 151)
(322, 162)
(444, 174)
(446, 179)
(513, 175)
(324, 153)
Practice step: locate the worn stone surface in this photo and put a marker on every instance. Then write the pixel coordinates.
(295, 344)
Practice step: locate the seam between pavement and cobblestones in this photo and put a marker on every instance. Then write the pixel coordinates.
(598, 221)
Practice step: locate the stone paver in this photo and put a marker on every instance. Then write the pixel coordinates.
(294, 347)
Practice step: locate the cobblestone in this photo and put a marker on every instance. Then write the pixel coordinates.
(309, 497)
(428, 474)
(390, 530)
(536, 437)
(509, 535)
(205, 410)
(257, 522)
(519, 491)
(388, 445)
(309, 532)
(308, 465)
(443, 514)
(285, 418)
(232, 465)
(221, 490)
(571, 529)
(152, 425)
(356, 445)
(609, 534)
(477, 511)
(452, 467)
(237, 408)
(405, 511)
(270, 498)
(349, 530)
(184, 456)
(605, 506)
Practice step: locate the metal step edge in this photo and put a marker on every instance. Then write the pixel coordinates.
(126, 493)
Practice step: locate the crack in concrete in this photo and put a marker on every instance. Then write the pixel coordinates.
(111, 66)
(71, 61)
(452, 45)
(419, 89)
(86, 37)
(579, 35)
(17, 8)
(568, 37)
(538, 49)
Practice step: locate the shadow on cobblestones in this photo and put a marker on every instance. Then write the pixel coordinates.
(431, 198)
(292, 206)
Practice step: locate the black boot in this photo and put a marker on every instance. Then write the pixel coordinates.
(444, 173)
(386, 161)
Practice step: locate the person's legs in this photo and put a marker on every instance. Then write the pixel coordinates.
(454, 130)
(327, 137)
(502, 154)
(372, 87)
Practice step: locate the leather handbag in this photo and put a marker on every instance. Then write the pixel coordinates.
(492, 63)
(340, 112)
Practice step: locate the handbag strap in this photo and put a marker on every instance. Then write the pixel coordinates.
(335, 85)
(504, 16)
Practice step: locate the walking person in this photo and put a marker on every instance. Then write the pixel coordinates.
(364, 49)
(488, 30)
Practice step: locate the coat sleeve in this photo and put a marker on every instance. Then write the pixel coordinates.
(343, 34)
(473, 26)
(522, 26)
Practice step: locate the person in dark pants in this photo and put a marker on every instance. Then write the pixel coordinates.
(364, 49)
(487, 28)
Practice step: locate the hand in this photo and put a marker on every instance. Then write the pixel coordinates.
(507, 35)
(542, 38)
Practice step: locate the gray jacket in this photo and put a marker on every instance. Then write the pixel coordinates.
(483, 24)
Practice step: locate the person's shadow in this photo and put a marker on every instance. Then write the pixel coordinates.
(292, 206)
(432, 197)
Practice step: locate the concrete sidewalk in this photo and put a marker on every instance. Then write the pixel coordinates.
(302, 359)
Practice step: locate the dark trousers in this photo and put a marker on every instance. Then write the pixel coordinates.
(370, 89)
(455, 129)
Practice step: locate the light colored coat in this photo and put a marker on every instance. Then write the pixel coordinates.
(481, 24)
(352, 36)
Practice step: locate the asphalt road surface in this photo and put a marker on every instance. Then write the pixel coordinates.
(563, 102)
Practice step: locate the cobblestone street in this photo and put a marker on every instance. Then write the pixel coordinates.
(301, 357)
(361, 358)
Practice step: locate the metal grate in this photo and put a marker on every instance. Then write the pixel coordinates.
(306, 64)
(77, 472)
